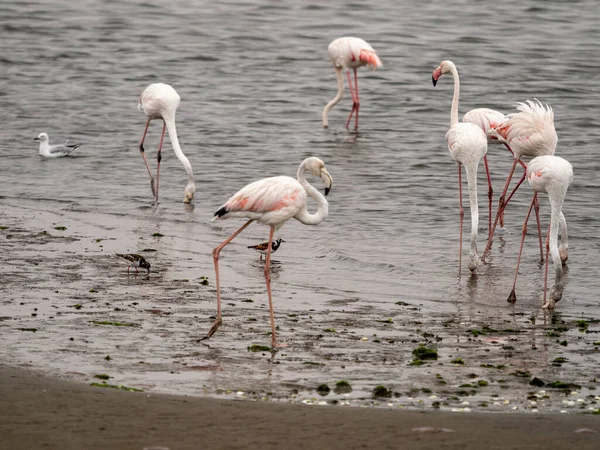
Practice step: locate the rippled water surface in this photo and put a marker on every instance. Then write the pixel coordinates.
(253, 77)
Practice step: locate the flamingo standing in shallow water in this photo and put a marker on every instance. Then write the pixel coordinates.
(530, 132)
(273, 201)
(552, 175)
(467, 144)
(160, 101)
(349, 53)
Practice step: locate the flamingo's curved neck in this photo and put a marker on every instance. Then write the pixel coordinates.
(323, 207)
(454, 110)
(556, 219)
(337, 98)
(471, 170)
(170, 122)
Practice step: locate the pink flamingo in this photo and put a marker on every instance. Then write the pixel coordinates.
(160, 101)
(552, 175)
(273, 201)
(349, 53)
(467, 144)
(530, 132)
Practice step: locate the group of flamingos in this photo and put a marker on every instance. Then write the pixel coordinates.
(273, 201)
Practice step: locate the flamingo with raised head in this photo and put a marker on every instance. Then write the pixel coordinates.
(552, 175)
(530, 132)
(467, 144)
(160, 101)
(273, 201)
(349, 53)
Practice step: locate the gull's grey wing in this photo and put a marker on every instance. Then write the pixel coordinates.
(63, 148)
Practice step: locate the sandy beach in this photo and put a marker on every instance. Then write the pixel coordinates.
(39, 412)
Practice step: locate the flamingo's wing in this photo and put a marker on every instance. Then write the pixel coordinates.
(530, 131)
(263, 196)
(487, 119)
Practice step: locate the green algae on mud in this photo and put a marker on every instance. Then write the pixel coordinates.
(114, 324)
(114, 386)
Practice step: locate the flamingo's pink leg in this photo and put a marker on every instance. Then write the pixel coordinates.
(274, 342)
(353, 99)
(461, 213)
(218, 321)
(357, 100)
(159, 157)
(490, 194)
(512, 298)
(501, 204)
(536, 207)
(145, 160)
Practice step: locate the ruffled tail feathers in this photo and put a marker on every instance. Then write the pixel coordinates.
(370, 58)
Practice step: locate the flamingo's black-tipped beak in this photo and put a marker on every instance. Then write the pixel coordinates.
(327, 189)
(437, 73)
(433, 80)
(36, 139)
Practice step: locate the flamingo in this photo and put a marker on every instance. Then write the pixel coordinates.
(552, 175)
(54, 151)
(530, 132)
(349, 53)
(467, 144)
(273, 201)
(160, 101)
(489, 120)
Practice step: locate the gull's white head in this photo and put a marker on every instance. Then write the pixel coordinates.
(42, 137)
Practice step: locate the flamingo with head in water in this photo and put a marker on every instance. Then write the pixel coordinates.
(273, 201)
(349, 53)
(467, 144)
(160, 101)
(551, 175)
(530, 132)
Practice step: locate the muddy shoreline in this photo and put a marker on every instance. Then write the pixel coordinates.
(70, 310)
(42, 412)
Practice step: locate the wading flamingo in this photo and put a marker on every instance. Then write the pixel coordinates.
(530, 132)
(160, 101)
(489, 120)
(552, 175)
(273, 201)
(467, 144)
(349, 53)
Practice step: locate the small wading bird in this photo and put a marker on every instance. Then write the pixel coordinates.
(262, 248)
(273, 201)
(467, 144)
(552, 175)
(135, 260)
(349, 53)
(160, 101)
(530, 132)
(54, 151)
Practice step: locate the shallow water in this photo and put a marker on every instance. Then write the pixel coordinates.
(253, 78)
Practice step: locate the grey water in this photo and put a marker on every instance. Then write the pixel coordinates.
(253, 77)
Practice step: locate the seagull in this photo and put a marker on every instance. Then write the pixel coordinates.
(136, 261)
(262, 248)
(54, 151)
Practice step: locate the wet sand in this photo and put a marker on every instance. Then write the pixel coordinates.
(42, 412)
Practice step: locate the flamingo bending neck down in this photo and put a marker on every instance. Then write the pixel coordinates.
(552, 175)
(530, 132)
(160, 101)
(273, 201)
(349, 53)
(467, 144)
